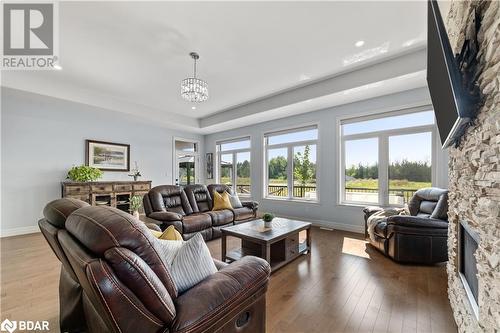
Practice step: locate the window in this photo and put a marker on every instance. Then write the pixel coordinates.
(234, 164)
(291, 164)
(385, 159)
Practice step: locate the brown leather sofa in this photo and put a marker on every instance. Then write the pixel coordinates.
(422, 236)
(119, 282)
(189, 209)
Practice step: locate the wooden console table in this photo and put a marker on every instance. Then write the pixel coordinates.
(108, 193)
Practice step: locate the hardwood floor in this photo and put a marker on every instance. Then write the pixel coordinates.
(343, 286)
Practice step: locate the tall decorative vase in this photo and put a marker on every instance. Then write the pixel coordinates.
(136, 214)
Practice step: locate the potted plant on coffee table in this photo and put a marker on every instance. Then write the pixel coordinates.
(268, 220)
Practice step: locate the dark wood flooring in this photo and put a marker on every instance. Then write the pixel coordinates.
(343, 286)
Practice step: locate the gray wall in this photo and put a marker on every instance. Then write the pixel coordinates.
(327, 212)
(42, 137)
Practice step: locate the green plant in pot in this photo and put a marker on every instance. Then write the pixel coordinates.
(84, 173)
(268, 219)
(135, 205)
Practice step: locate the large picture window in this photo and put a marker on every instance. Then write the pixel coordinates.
(386, 159)
(233, 158)
(291, 166)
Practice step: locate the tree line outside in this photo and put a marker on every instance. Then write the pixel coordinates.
(402, 174)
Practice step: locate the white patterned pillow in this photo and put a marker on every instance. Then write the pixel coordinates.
(190, 262)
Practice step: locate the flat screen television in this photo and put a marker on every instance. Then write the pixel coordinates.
(453, 105)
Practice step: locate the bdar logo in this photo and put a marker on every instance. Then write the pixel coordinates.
(8, 326)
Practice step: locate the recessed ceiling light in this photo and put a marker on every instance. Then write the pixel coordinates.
(360, 43)
(57, 66)
(193, 108)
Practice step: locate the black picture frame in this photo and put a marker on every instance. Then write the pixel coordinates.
(210, 165)
(121, 150)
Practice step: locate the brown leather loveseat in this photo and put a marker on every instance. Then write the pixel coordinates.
(120, 283)
(189, 209)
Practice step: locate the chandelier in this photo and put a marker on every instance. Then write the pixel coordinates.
(193, 89)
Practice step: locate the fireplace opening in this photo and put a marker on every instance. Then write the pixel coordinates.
(468, 243)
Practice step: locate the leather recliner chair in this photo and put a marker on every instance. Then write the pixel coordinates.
(126, 286)
(422, 236)
(201, 202)
(71, 313)
(70, 291)
(246, 213)
(189, 209)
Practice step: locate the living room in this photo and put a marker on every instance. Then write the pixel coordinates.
(328, 172)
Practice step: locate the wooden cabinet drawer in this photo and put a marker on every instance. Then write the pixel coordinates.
(123, 187)
(141, 187)
(82, 197)
(141, 193)
(102, 188)
(76, 189)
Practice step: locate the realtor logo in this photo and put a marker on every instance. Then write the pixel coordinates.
(29, 35)
(8, 326)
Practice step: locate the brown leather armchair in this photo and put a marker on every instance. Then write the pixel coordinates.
(70, 291)
(420, 237)
(126, 286)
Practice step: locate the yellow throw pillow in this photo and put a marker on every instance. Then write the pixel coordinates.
(221, 201)
(155, 233)
(169, 234)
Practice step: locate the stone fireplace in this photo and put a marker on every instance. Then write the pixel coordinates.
(474, 174)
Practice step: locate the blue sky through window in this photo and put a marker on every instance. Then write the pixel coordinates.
(388, 123)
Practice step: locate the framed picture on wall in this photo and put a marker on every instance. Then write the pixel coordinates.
(210, 165)
(107, 156)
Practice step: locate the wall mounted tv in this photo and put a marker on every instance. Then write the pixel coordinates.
(455, 104)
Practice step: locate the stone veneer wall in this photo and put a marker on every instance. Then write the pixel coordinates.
(474, 173)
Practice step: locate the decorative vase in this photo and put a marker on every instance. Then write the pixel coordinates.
(135, 178)
(268, 224)
(136, 214)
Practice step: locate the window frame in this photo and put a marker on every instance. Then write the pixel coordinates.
(233, 153)
(383, 151)
(290, 146)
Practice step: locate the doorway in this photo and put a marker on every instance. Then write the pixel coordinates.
(186, 162)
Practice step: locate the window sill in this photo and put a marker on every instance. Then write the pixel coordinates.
(311, 202)
(365, 204)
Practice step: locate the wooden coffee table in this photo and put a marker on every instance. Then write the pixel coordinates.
(278, 245)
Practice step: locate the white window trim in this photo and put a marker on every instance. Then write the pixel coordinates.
(234, 153)
(289, 146)
(383, 152)
(195, 154)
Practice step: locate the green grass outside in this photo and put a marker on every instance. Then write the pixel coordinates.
(357, 183)
(396, 183)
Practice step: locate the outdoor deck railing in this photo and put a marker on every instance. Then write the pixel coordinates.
(300, 191)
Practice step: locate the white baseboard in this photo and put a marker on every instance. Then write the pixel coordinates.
(330, 224)
(19, 231)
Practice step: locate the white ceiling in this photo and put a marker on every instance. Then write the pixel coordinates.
(131, 56)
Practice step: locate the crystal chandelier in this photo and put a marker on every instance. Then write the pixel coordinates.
(193, 89)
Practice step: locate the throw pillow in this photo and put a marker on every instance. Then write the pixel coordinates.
(221, 201)
(155, 233)
(235, 201)
(171, 234)
(168, 234)
(190, 262)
